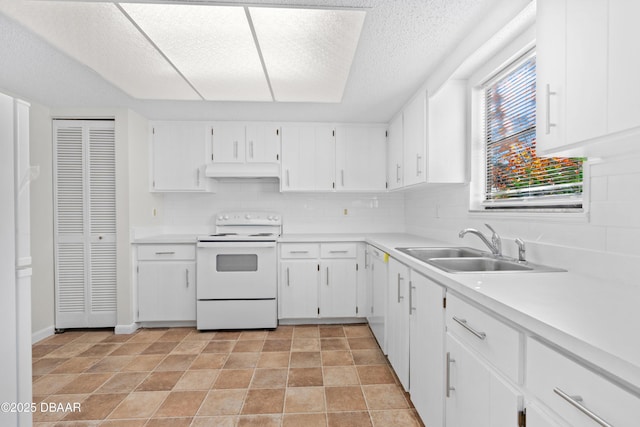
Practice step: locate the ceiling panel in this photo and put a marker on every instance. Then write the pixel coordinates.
(212, 46)
(307, 52)
(101, 37)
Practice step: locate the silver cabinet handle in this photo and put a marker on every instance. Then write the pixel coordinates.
(198, 178)
(463, 323)
(400, 297)
(298, 252)
(366, 258)
(327, 276)
(418, 158)
(338, 252)
(288, 277)
(186, 275)
(165, 253)
(342, 177)
(411, 307)
(549, 125)
(397, 173)
(448, 387)
(575, 401)
(288, 182)
(251, 149)
(235, 149)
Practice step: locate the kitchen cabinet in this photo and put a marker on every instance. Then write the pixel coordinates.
(426, 348)
(476, 396)
(240, 143)
(318, 280)
(228, 143)
(398, 320)
(263, 143)
(377, 279)
(179, 153)
(415, 140)
(308, 158)
(557, 381)
(166, 283)
(395, 161)
(587, 87)
(361, 158)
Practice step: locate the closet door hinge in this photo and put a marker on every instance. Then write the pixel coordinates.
(356, 267)
(522, 418)
(356, 309)
(444, 302)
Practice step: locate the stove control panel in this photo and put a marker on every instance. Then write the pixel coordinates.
(248, 218)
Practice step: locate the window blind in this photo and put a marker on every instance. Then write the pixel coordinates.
(515, 176)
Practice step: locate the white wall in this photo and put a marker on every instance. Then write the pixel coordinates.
(603, 244)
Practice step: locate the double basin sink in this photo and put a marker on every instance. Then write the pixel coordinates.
(468, 260)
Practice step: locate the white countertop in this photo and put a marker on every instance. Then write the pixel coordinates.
(597, 321)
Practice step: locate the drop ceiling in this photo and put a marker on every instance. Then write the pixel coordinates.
(317, 60)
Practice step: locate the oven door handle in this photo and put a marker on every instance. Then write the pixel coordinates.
(230, 244)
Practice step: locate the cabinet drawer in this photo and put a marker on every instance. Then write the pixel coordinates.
(299, 250)
(497, 342)
(338, 250)
(550, 374)
(166, 252)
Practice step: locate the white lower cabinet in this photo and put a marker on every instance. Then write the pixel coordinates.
(426, 349)
(376, 308)
(398, 320)
(476, 396)
(318, 280)
(166, 283)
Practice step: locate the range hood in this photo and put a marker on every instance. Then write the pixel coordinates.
(242, 170)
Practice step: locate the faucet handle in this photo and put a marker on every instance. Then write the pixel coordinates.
(495, 239)
(521, 249)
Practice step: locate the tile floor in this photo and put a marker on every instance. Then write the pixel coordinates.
(301, 376)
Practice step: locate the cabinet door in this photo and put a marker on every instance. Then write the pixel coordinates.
(361, 157)
(179, 155)
(166, 291)
(228, 143)
(298, 296)
(415, 140)
(308, 158)
(477, 397)
(377, 296)
(624, 65)
(398, 320)
(426, 342)
(338, 284)
(263, 143)
(395, 153)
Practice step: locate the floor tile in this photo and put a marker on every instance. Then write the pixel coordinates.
(42, 350)
(209, 361)
(46, 365)
(337, 358)
(45, 416)
(223, 402)
(189, 347)
(111, 364)
(176, 362)
(350, 419)
(219, 347)
(200, 336)
(70, 350)
(201, 379)
(139, 404)
(344, 399)
(396, 418)
(122, 382)
(263, 401)
(375, 374)
(334, 344)
(170, 422)
(269, 378)
(175, 334)
(369, 357)
(248, 346)
(144, 363)
(384, 396)
(133, 348)
(340, 375)
(226, 335)
(99, 350)
(305, 377)
(233, 378)
(241, 360)
(124, 423)
(277, 345)
(181, 404)
(331, 331)
(276, 359)
(85, 383)
(304, 399)
(306, 420)
(305, 331)
(305, 344)
(147, 335)
(282, 332)
(357, 331)
(96, 407)
(253, 335)
(224, 421)
(49, 384)
(305, 359)
(362, 343)
(160, 381)
(76, 365)
(259, 420)
(160, 347)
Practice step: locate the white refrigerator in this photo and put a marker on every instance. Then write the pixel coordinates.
(15, 263)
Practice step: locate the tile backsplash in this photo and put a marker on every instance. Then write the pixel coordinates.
(302, 212)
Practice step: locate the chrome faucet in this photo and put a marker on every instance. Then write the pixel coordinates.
(521, 250)
(495, 244)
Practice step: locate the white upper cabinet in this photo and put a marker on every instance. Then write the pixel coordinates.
(395, 153)
(228, 143)
(308, 158)
(361, 158)
(587, 86)
(415, 140)
(179, 152)
(263, 143)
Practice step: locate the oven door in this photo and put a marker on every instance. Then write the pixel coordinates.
(236, 270)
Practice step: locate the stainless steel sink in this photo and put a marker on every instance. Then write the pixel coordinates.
(468, 260)
(425, 254)
(456, 265)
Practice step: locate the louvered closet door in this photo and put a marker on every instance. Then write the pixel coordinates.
(85, 223)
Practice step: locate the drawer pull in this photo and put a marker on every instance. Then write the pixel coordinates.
(464, 324)
(575, 401)
(298, 252)
(338, 252)
(448, 386)
(166, 253)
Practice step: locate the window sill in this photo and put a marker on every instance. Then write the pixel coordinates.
(559, 215)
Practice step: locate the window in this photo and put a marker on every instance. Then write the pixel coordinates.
(516, 178)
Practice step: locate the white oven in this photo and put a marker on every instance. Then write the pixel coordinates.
(236, 273)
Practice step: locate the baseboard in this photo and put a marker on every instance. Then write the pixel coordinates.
(126, 329)
(323, 321)
(38, 336)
